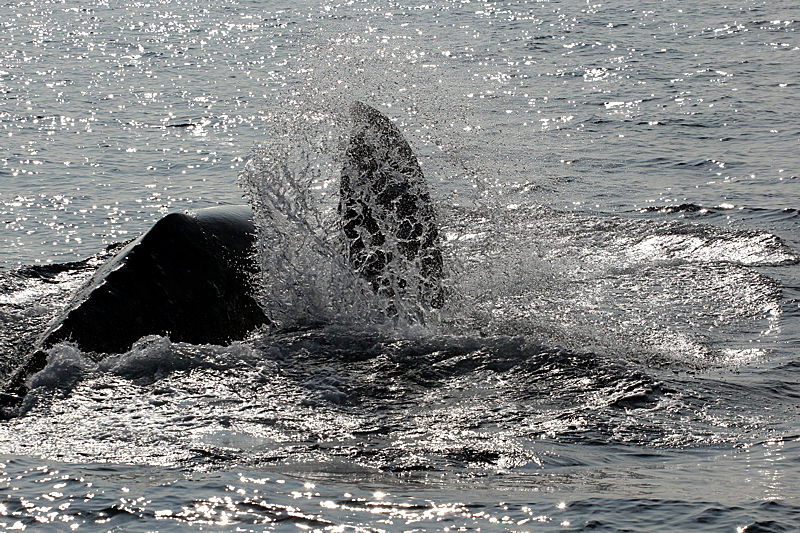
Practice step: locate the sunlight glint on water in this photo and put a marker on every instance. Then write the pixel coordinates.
(616, 189)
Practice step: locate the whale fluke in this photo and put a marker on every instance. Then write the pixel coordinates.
(388, 219)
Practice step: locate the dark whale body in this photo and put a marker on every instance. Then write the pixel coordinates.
(187, 278)
(190, 277)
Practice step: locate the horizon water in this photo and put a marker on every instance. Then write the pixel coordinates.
(617, 193)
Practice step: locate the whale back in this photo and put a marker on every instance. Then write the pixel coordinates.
(187, 278)
(388, 220)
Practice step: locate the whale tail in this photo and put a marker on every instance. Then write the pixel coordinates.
(388, 220)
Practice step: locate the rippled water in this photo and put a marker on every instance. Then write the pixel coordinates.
(617, 190)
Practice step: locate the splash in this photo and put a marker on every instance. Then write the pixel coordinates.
(384, 225)
(290, 179)
(322, 260)
(643, 290)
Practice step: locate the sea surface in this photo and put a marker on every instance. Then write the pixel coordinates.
(617, 187)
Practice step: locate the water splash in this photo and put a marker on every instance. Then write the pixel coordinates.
(315, 260)
(293, 183)
(640, 289)
(290, 180)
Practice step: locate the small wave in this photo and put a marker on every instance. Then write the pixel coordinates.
(706, 244)
(155, 357)
(325, 386)
(66, 364)
(66, 367)
(682, 208)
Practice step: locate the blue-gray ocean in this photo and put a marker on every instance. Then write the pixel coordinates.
(617, 186)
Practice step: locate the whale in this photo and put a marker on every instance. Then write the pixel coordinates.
(188, 278)
(191, 277)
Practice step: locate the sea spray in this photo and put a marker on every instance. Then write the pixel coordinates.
(303, 276)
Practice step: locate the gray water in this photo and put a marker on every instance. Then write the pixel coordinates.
(617, 190)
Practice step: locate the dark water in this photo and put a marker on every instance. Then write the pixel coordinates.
(617, 190)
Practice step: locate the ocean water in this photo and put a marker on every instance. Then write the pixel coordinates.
(617, 193)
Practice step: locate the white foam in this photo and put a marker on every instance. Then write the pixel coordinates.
(155, 357)
(65, 368)
(66, 365)
(325, 386)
